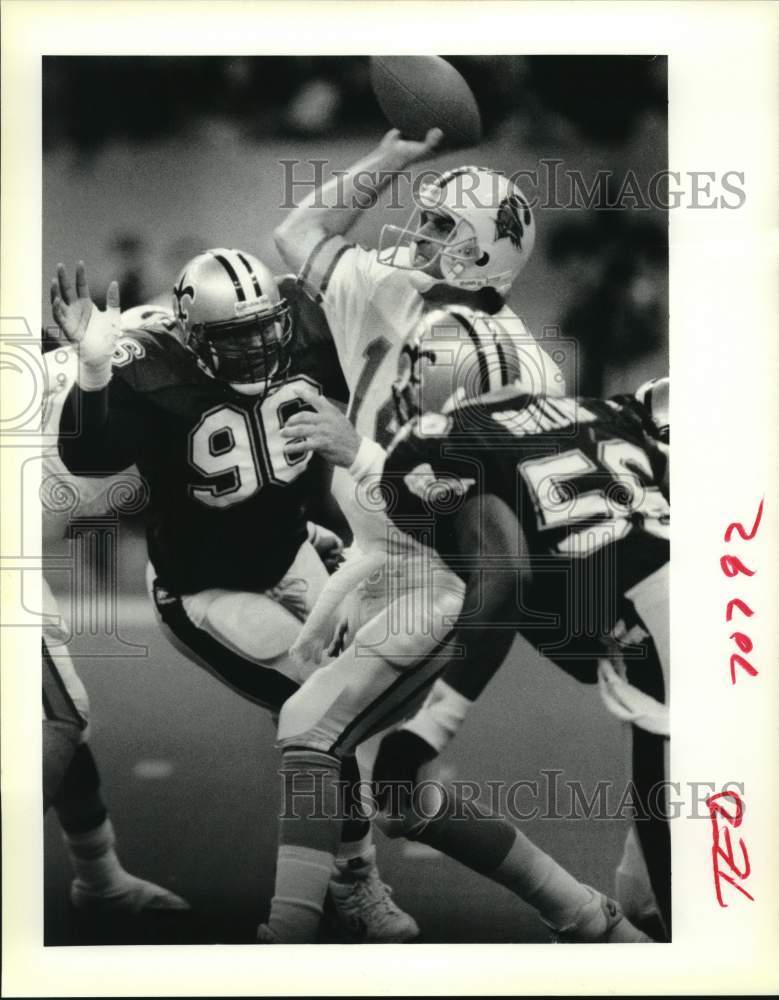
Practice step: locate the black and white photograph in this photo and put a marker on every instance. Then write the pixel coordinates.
(349, 444)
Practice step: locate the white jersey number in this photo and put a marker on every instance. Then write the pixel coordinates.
(241, 451)
(607, 510)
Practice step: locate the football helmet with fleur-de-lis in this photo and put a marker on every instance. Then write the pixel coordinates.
(472, 228)
(230, 313)
(453, 357)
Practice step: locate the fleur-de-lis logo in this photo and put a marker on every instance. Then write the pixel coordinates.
(513, 216)
(182, 291)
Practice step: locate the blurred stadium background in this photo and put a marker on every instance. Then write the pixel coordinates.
(149, 160)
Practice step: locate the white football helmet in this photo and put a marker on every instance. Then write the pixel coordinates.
(454, 356)
(490, 239)
(230, 313)
(654, 396)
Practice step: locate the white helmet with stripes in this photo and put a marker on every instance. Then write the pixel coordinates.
(230, 313)
(472, 228)
(454, 356)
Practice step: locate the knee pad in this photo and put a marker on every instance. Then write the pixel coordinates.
(411, 627)
(306, 707)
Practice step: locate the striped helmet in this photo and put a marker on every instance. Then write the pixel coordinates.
(455, 355)
(230, 313)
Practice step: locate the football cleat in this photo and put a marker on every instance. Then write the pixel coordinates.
(600, 921)
(365, 910)
(134, 896)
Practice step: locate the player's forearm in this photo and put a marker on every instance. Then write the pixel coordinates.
(90, 443)
(333, 208)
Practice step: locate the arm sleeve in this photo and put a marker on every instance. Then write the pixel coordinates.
(341, 276)
(102, 432)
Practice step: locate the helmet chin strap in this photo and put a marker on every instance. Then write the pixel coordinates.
(422, 281)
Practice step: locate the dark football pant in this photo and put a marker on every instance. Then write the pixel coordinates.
(260, 684)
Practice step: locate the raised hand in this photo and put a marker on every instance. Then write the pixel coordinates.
(411, 150)
(91, 331)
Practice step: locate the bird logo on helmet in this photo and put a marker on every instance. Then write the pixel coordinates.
(455, 356)
(231, 315)
(513, 216)
(472, 228)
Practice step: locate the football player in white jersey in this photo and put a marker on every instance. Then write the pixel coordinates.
(396, 600)
(71, 781)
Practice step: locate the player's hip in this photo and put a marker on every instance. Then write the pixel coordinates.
(188, 561)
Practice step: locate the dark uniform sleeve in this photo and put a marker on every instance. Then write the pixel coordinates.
(428, 477)
(102, 432)
(313, 347)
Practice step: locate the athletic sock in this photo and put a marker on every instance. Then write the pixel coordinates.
(537, 878)
(355, 851)
(94, 860)
(309, 833)
(356, 838)
(78, 803)
(488, 844)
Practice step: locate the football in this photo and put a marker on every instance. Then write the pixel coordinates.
(418, 93)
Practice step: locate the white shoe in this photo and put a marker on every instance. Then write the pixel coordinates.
(599, 921)
(132, 896)
(364, 906)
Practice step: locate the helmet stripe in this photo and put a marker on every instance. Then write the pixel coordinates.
(249, 268)
(504, 368)
(233, 275)
(484, 368)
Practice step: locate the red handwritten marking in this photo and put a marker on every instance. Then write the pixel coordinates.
(717, 809)
(735, 526)
(732, 566)
(742, 607)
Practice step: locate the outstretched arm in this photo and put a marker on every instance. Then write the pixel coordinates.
(99, 432)
(332, 209)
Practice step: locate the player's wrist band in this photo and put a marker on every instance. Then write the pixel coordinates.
(369, 460)
(93, 377)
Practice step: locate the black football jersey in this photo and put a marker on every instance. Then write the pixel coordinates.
(228, 497)
(582, 479)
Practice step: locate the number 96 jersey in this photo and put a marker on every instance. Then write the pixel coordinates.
(228, 497)
(582, 479)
